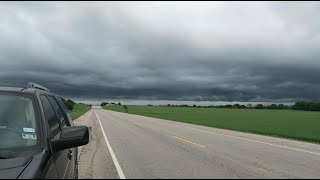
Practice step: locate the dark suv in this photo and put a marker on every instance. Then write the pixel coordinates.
(37, 135)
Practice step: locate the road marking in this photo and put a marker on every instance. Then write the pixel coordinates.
(261, 142)
(263, 169)
(138, 124)
(182, 139)
(114, 158)
(221, 134)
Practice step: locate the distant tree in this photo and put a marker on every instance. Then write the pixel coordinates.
(315, 107)
(184, 105)
(282, 106)
(69, 104)
(228, 106)
(103, 103)
(272, 106)
(302, 106)
(113, 103)
(194, 106)
(249, 106)
(259, 106)
(169, 105)
(306, 106)
(119, 103)
(237, 106)
(243, 107)
(126, 108)
(149, 105)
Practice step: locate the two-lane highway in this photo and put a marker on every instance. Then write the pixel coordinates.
(144, 147)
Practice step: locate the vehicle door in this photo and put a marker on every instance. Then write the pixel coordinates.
(61, 158)
(64, 121)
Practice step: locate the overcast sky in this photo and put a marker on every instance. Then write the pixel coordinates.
(226, 51)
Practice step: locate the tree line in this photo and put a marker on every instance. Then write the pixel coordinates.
(304, 106)
(238, 106)
(112, 103)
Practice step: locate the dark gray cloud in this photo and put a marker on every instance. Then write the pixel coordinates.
(229, 51)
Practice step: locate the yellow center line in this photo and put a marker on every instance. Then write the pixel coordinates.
(262, 169)
(138, 124)
(182, 139)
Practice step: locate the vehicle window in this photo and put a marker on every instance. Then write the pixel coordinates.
(57, 109)
(65, 109)
(17, 122)
(63, 105)
(51, 117)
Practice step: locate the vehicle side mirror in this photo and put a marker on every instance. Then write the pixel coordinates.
(71, 137)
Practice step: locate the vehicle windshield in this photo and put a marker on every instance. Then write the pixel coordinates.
(18, 130)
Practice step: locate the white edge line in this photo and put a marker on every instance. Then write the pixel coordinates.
(114, 158)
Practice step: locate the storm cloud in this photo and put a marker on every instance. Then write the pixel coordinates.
(219, 51)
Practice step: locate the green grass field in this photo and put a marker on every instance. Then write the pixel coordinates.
(300, 125)
(78, 110)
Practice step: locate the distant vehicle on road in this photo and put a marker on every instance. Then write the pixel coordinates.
(37, 136)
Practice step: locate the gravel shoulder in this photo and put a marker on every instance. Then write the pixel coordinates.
(94, 159)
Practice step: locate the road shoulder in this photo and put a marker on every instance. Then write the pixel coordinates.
(94, 159)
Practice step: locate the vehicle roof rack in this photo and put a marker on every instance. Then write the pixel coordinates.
(37, 86)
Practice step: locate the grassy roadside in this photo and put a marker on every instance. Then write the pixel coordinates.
(301, 125)
(78, 110)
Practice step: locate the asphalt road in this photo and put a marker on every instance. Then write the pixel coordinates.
(143, 147)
